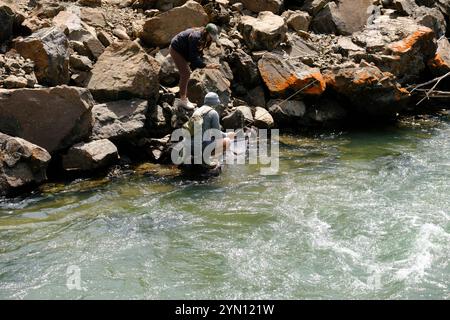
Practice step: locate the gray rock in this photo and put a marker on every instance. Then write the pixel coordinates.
(234, 120)
(245, 70)
(119, 120)
(21, 164)
(203, 81)
(256, 97)
(342, 17)
(81, 63)
(287, 112)
(168, 74)
(90, 156)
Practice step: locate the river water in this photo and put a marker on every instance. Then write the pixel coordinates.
(362, 214)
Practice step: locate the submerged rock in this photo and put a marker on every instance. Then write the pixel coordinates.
(53, 118)
(124, 71)
(89, 156)
(21, 164)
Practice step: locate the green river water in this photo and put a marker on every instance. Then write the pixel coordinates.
(363, 214)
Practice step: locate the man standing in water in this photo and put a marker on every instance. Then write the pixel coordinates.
(186, 49)
(210, 140)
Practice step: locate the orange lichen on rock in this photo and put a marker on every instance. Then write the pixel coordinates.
(438, 63)
(314, 89)
(281, 76)
(365, 77)
(409, 42)
(278, 84)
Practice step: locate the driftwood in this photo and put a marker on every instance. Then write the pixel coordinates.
(434, 93)
(431, 93)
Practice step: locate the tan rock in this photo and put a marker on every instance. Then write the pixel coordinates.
(53, 118)
(21, 164)
(159, 30)
(123, 71)
(48, 49)
(263, 5)
(90, 156)
(265, 32)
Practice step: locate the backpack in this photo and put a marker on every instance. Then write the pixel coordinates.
(195, 122)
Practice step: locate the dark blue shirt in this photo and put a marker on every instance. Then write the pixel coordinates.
(186, 44)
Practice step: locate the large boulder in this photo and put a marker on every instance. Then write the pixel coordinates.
(399, 46)
(281, 76)
(342, 17)
(123, 71)
(266, 32)
(440, 63)
(21, 164)
(203, 81)
(263, 5)
(119, 120)
(49, 50)
(159, 30)
(52, 118)
(369, 90)
(90, 156)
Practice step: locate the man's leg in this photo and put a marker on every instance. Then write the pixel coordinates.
(184, 71)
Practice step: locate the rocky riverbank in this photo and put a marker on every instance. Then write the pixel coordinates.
(88, 84)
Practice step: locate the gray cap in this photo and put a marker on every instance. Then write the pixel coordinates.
(213, 30)
(212, 99)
